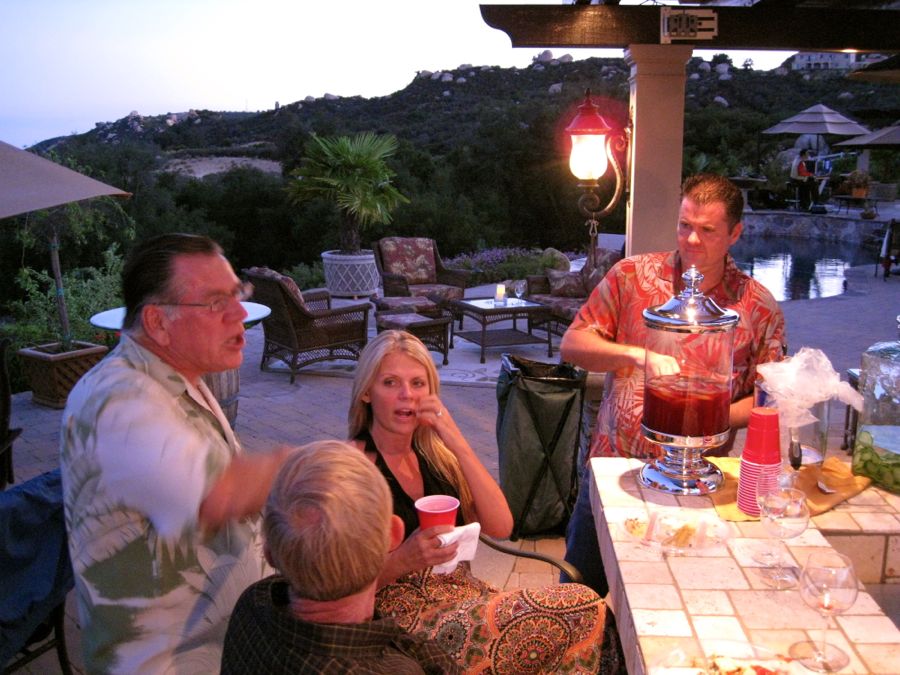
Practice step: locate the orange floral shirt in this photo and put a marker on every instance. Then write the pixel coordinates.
(614, 310)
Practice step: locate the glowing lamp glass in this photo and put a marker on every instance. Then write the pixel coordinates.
(587, 161)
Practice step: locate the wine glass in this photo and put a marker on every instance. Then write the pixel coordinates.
(784, 515)
(829, 585)
(519, 289)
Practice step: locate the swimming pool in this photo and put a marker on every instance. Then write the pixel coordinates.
(794, 269)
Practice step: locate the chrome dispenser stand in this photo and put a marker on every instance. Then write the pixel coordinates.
(682, 470)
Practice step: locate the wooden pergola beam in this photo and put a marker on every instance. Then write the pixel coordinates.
(762, 26)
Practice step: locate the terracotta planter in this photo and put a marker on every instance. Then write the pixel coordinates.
(351, 275)
(52, 373)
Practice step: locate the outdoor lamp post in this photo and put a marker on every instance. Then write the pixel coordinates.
(594, 148)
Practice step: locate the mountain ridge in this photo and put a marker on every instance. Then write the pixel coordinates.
(466, 97)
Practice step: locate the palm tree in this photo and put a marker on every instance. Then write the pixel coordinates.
(353, 173)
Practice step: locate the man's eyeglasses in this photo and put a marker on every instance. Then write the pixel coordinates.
(218, 304)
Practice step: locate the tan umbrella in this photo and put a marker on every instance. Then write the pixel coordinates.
(886, 138)
(820, 120)
(29, 182)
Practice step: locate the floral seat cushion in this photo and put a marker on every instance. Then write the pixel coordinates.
(411, 258)
(561, 308)
(439, 293)
(408, 303)
(406, 322)
(566, 284)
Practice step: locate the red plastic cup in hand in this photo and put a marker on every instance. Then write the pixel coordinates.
(437, 510)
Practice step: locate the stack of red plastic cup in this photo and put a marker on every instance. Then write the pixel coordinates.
(761, 459)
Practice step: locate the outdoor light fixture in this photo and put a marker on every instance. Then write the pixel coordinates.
(594, 148)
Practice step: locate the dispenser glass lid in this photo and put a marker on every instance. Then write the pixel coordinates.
(690, 311)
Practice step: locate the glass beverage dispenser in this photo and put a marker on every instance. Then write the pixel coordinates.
(686, 412)
(877, 450)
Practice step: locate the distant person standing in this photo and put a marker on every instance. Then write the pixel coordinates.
(803, 179)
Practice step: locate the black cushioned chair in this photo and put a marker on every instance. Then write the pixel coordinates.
(36, 572)
(7, 435)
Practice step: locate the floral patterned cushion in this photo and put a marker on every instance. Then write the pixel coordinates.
(566, 284)
(606, 258)
(567, 308)
(439, 293)
(286, 282)
(399, 321)
(412, 303)
(563, 309)
(410, 257)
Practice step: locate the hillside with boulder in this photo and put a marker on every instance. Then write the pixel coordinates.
(440, 110)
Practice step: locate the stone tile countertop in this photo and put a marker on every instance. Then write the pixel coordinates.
(673, 608)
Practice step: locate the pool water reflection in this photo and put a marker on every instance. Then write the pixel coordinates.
(794, 269)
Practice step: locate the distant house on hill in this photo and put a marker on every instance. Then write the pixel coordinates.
(833, 60)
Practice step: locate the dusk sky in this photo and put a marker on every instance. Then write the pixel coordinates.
(71, 63)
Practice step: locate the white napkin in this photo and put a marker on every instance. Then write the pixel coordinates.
(467, 536)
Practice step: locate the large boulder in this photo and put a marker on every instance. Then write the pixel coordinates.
(556, 259)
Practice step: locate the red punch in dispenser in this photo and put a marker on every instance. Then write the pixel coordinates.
(686, 408)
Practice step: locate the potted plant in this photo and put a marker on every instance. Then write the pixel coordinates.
(53, 367)
(858, 181)
(352, 172)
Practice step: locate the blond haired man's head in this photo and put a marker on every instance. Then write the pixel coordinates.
(329, 521)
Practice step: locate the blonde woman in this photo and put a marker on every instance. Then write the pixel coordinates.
(398, 420)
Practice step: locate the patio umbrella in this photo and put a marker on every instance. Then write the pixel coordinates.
(818, 119)
(883, 139)
(29, 182)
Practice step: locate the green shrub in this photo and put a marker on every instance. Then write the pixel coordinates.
(35, 319)
(307, 276)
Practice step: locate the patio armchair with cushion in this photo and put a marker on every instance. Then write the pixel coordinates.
(303, 328)
(565, 292)
(412, 266)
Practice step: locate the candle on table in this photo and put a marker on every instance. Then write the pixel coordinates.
(500, 295)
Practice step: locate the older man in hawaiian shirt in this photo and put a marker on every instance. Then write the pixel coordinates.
(160, 502)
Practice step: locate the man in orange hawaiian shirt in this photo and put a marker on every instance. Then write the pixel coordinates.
(608, 335)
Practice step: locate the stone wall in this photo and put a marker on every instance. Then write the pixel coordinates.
(812, 226)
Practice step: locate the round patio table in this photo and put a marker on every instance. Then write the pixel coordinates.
(111, 319)
(224, 385)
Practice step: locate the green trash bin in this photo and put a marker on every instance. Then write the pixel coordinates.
(538, 425)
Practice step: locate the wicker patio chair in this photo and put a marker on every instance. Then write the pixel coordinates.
(303, 328)
(413, 266)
